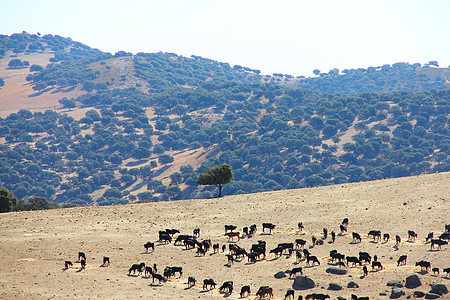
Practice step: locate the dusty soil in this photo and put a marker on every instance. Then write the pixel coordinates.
(34, 245)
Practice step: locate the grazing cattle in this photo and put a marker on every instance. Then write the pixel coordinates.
(445, 236)
(325, 233)
(230, 259)
(227, 286)
(216, 247)
(206, 244)
(164, 237)
(137, 267)
(81, 255)
(412, 235)
(286, 246)
(423, 265)
(230, 228)
(245, 230)
(196, 232)
(201, 251)
(317, 297)
(365, 271)
(356, 237)
(300, 226)
(345, 222)
(386, 237)
(158, 277)
(313, 240)
(154, 268)
(300, 297)
(181, 238)
(257, 254)
(377, 264)
(354, 260)
(306, 252)
(429, 236)
(341, 264)
(278, 251)
(376, 235)
(174, 270)
(224, 247)
(333, 236)
(289, 294)
(435, 270)
(375, 258)
(342, 228)
(148, 271)
(300, 243)
(191, 281)
(269, 226)
(172, 231)
(264, 291)
(240, 253)
(149, 245)
(258, 248)
(251, 257)
(446, 270)
(105, 261)
(191, 243)
(447, 227)
(83, 264)
(298, 255)
(245, 290)
(252, 229)
(364, 256)
(398, 240)
(294, 271)
(336, 256)
(312, 259)
(68, 264)
(401, 260)
(438, 242)
(232, 235)
(210, 283)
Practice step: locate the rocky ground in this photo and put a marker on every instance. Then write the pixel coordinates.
(34, 245)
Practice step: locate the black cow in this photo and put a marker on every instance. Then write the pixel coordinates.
(227, 286)
(345, 222)
(429, 236)
(365, 271)
(337, 256)
(270, 226)
(325, 233)
(164, 237)
(181, 238)
(149, 245)
(252, 229)
(174, 270)
(294, 271)
(398, 240)
(364, 256)
(245, 290)
(230, 228)
(216, 247)
(342, 228)
(158, 277)
(401, 260)
(313, 259)
(210, 283)
(412, 235)
(377, 264)
(356, 237)
(376, 235)
(386, 237)
(446, 270)
(196, 232)
(81, 255)
(438, 242)
(201, 251)
(333, 236)
(435, 270)
(315, 296)
(68, 264)
(306, 252)
(354, 297)
(278, 251)
(137, 267)
(191, 281)
(230, 259)
(148, 271)
(300, 243)
(298, 255)
(300, 226)
(105, 261)
(245, 230)
(289, 294)
(445, 236)
(354, 260)
(286, 246)
(172, 231)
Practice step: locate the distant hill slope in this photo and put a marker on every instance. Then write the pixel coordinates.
(91, 127)
(35, 244)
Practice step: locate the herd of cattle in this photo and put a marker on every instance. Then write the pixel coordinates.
(258, 252)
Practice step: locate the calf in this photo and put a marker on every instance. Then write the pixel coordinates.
(105, 261)
(227, 286)
(232, 235)
(429, 236)
(342, 228)
(386, 237)
(210, 283)
(216, 247)
(412, 235)
(300, 226)
(230, 259)
(68, 264)
(398, 240)
(245, 230)
(149, 245)
(224, 247)
(270, 226)
(298, 255)
(289, 294)
(83, 264)
(294, 271)
(81, 255)
(401, 260)
(148, 271)
(196, 232)
(423, 265)
(252, 229)
(435, 270)
(245, 290)
(446, 270)
(164, 237)
(437, 242)
(365, 271)
(201, 251)
(158, 277)
(376, 235)
(300, 243)
(377, 264)
(333, 236)
(356, 237)
(191, 281)
(345, 222)
(325, 233)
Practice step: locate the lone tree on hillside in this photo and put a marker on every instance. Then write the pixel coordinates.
(217, 176)
(7, 200)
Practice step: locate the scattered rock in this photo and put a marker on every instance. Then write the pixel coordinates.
(413, 281)
(352, 285)
(396, 293)
(393, 282)
(431, 296)
(279, 275)
(303, 282)
(336, 271)
(439, 288)
(419, 294)
(399, 285)
(334, 286)
(383, 294)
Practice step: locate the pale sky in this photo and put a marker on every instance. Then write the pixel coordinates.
(290, 37)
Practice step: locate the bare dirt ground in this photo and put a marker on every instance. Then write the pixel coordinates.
(34, 245)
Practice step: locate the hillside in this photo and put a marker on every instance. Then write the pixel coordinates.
(90, 127)
(34, 245)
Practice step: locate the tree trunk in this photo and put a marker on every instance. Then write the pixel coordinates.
(220, 190)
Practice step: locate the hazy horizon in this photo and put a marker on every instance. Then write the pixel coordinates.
(289, 37)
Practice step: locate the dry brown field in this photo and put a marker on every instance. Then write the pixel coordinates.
(34, 245)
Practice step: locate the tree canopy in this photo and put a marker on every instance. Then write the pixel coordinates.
(217, 176)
